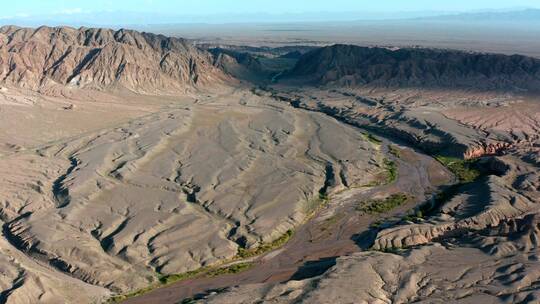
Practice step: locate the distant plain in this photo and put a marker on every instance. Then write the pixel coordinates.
(482, 36)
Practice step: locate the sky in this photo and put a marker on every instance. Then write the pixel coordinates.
(156, 10)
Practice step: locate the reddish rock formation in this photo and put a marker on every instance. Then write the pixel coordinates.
(486, 149)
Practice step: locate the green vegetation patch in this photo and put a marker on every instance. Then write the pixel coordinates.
(235, 268)
(265, 247)
(414, 216)
(394, 151)
(383, 205)
(372, 139)
(391, 170)
(207, 272)
(171, 278)
(464, 170)
(203, 272)
(120, 298)
(389, 175)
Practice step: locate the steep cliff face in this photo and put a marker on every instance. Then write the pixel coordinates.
(353, 65)
(102, 59)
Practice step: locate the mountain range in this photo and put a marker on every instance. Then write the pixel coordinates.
(44, 58)
(354, 65)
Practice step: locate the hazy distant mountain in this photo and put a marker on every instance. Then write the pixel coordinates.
(525, 15)
(134, 19)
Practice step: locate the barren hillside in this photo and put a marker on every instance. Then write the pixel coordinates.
(138, 167)
(50, 58)
(417, 68)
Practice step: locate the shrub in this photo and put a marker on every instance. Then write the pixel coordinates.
(394, 151)
(384, 205)
(391, 169)
(265, 247)
(464, 170)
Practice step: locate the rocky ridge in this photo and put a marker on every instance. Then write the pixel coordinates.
(349, 65)
(60, 58)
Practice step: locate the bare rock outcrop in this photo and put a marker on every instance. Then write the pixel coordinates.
(512, 236)
(478, 206)
(431, 274)
(186, 180)
(46, 58)
(178, 189)
(486, 150)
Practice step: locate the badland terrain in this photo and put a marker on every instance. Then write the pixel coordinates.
(142, 168)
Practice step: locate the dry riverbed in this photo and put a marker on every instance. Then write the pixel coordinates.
(338, 229)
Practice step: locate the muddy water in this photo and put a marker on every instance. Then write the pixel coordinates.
(337, 230)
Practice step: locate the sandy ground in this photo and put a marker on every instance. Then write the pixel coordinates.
(480, 244)
(102, 193)
(333, 232)
(30, 120)
(168, 185)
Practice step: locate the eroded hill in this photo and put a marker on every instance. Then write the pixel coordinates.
(474, 241)
(415, 68)
(56, 59)
(128, 158)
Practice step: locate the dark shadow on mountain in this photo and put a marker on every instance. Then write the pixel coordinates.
(365, 239)
(312, 269)
(350, 65)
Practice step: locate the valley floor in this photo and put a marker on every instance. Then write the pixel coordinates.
(297, 188)
(164, 187)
